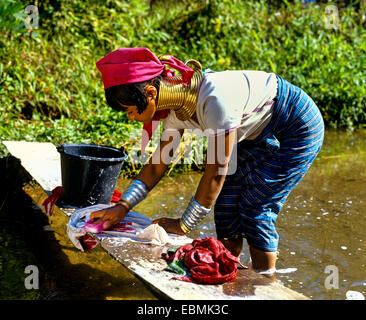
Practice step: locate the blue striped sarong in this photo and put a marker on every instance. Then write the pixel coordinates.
(268, 169)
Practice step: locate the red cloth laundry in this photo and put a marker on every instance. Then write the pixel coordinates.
(49, 203)
(116, 196)
(207, 260)
(88, 242)
(122, 227)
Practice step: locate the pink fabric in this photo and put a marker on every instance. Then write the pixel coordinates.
(131, 65)
(98, 228)
(93, 228)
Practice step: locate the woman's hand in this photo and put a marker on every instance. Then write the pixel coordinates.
(170, 225)
(111, 216)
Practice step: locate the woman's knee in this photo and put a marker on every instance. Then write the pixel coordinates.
(233, 245)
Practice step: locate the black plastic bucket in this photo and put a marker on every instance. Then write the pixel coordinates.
(89, 173)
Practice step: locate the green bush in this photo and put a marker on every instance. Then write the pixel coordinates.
(51, 90)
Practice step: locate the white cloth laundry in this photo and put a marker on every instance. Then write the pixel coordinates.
(154, 234)
(354, 295)
(135, 227)
(75, 226)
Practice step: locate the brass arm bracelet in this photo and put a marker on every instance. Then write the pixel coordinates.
(183, 227)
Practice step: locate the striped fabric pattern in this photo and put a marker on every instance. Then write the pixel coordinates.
(268, 169)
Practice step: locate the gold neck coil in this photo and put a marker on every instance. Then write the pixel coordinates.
(175, 96)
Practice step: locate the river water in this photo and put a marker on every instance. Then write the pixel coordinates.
(321, 226)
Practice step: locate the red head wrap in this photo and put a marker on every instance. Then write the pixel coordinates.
(131, 65)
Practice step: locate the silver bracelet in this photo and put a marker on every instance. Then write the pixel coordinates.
(193, 215)
(135, 193)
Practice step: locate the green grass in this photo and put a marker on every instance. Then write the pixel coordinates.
(51, 90)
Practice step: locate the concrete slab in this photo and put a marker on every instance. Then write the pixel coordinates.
(42, 161)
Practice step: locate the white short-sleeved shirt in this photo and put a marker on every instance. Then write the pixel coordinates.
(231, 100)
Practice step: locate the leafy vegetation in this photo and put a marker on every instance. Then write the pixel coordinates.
(51, 90)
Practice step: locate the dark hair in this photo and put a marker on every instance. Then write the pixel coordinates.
(132, 94)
